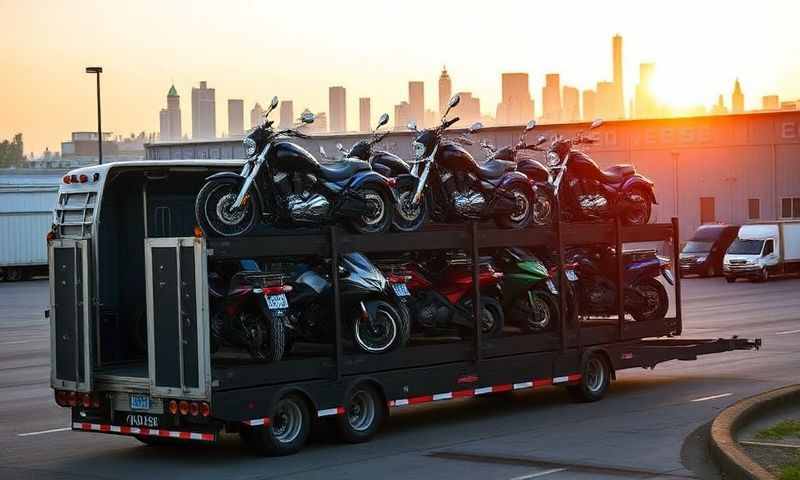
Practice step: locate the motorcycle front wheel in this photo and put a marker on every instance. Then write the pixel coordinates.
(379, 329)
(536, 313)
(378, 216)
(543, 207)
(409, 217)
(215, 213)
(521, 216)
(655, 301)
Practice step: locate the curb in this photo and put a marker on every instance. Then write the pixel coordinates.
(731, 459)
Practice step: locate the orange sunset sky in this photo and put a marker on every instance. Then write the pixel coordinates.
(296, 50)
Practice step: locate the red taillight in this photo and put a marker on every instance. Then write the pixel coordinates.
(66, 179)
(183, 407)
(198, 232)
(205, 409)
(277, 290)
(173, 407)
(83, 179)
(394, 278)
(61, 398)
(86, 400)
(95, 401)
(73, 179)
(194, 408)
(72, 399)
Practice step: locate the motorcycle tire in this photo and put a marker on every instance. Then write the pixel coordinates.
(543, 207)
(522, 215)
(212, 212)
(653, 290)
(385, 328)
(543, 315)
(406, 218)
(636, 207)
(275, 341)
(489, 307)
(379, 221)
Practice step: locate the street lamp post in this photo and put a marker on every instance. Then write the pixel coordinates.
(98, 71)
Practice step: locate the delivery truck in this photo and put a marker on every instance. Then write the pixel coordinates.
(762, 250)
(132, 349)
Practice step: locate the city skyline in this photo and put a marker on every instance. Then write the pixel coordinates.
(140, 63)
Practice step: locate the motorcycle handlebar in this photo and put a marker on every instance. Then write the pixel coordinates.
(448, 123)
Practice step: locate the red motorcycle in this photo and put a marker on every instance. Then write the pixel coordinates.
(438, 295)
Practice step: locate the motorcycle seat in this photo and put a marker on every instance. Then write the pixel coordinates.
(493, 169)
(617, 173)
(343, 169)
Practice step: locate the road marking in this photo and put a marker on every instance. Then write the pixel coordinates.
(15, 342)
(44, 431)
(769, 444)
(787, 332)
(712, 397)
(538, 474)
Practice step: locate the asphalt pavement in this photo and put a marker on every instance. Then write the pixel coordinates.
(651, 424)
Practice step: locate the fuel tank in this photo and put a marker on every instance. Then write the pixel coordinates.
(534, 170)
(394, 164)
(583, 167)
(454, 157)
(289, 157)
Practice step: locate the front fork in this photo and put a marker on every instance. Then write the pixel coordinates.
(421, 184)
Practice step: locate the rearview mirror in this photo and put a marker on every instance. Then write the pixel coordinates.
(305, 117)
(530, 125)
(274, 102)
(540, 140)
(596, 123)
(383, 120)
(475, 127)
(454, 100)
(412, 125)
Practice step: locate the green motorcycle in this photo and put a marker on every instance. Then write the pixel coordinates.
(530, 297)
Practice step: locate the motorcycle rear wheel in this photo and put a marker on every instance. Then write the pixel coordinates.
(636, 208)
(523, 212)
(378, 219)
(214, 214)
(543, 208)
(657, 301)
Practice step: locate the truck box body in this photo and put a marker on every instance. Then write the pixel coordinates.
(764, 249)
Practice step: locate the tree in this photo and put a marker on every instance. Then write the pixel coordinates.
(11, 152)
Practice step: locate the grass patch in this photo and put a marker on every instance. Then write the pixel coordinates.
(783, 429)
(791, 471)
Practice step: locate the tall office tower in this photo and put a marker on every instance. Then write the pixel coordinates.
(770, 102)
(589, 105)
(619, 101)
(551, 98)
(416, 102)
(170, 117)
(401, 116)
(204, 112)
(364, 113)
(605, 105)
(737, 98)
(516, 106)
(235, 117)
(287, 115)
(719, 107)
(571, 112)
(337, 109)
(445, 90)
(645, 103)
(256, 115)
(469, 109)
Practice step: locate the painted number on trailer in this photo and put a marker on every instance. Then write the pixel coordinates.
(137, 420)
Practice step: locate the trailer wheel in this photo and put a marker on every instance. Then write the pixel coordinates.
(364, 413)
(13, 275)
(595, 378)
(290, 425)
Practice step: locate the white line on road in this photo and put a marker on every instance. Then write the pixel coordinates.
(787, 332)
(769, 444)
(539, 474)
(44, 431)
(712, 397)
(15, 342)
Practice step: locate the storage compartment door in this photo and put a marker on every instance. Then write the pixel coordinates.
(177, 317)
(70, 346)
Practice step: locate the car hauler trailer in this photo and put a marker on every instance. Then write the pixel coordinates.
(130, 323)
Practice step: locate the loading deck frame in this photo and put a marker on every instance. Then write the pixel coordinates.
(426, 373)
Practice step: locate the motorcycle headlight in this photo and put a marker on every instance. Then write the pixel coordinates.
(419, 150)
(249, 146)
(553, 159)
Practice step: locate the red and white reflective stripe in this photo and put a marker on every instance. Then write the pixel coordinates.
(506, 387)
(257, 422)
(330, 411)
(150, 432)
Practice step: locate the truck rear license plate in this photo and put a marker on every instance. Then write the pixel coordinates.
(140, 402)
(277, 302)
(401, 289)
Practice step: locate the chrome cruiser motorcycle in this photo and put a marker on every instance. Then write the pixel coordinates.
(284, 185)
(586, 192)
(458, 188)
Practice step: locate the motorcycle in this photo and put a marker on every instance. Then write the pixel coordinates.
(538, 174)
(370, 312)
(248, 311)
(591, 272)
(458, 188)
(283, 184)
(439, 295)
(530, 296)
(586, 192)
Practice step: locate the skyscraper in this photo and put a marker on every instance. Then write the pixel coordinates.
(170, 117)
(337, 109)
(572, 105)
(605, 100)
(589, 105)
(256, 115)
(204, 112)
(551, 98)
(469, 109)
(235, 117)
(516, 106)
(416, 102)
(619, 101)
(445, 90)
(401, 116)
(737, 98)
(287, 115)
(645, 103)
(719, 107)
(770, 102)
(364, 113)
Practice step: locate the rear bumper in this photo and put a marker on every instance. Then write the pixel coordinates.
(143, 431)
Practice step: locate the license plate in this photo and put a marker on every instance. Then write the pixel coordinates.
(571, 275)
(277, 302)
(552, 287)
(401, 289)
(140, 402)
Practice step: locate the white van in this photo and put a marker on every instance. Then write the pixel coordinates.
(763, 249)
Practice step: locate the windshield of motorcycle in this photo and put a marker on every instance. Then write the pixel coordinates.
(697, 247)
(361, 270)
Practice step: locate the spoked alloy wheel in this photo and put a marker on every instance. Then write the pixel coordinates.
(378, 330)
(636, 210)
(543, 209)
(521, 216)
(216, 215)
(378, 216)
(409, 217)
(536, 313)
(492, 319)
(655, 301)
(365, 411)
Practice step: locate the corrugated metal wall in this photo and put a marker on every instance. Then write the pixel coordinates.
(26, 214)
